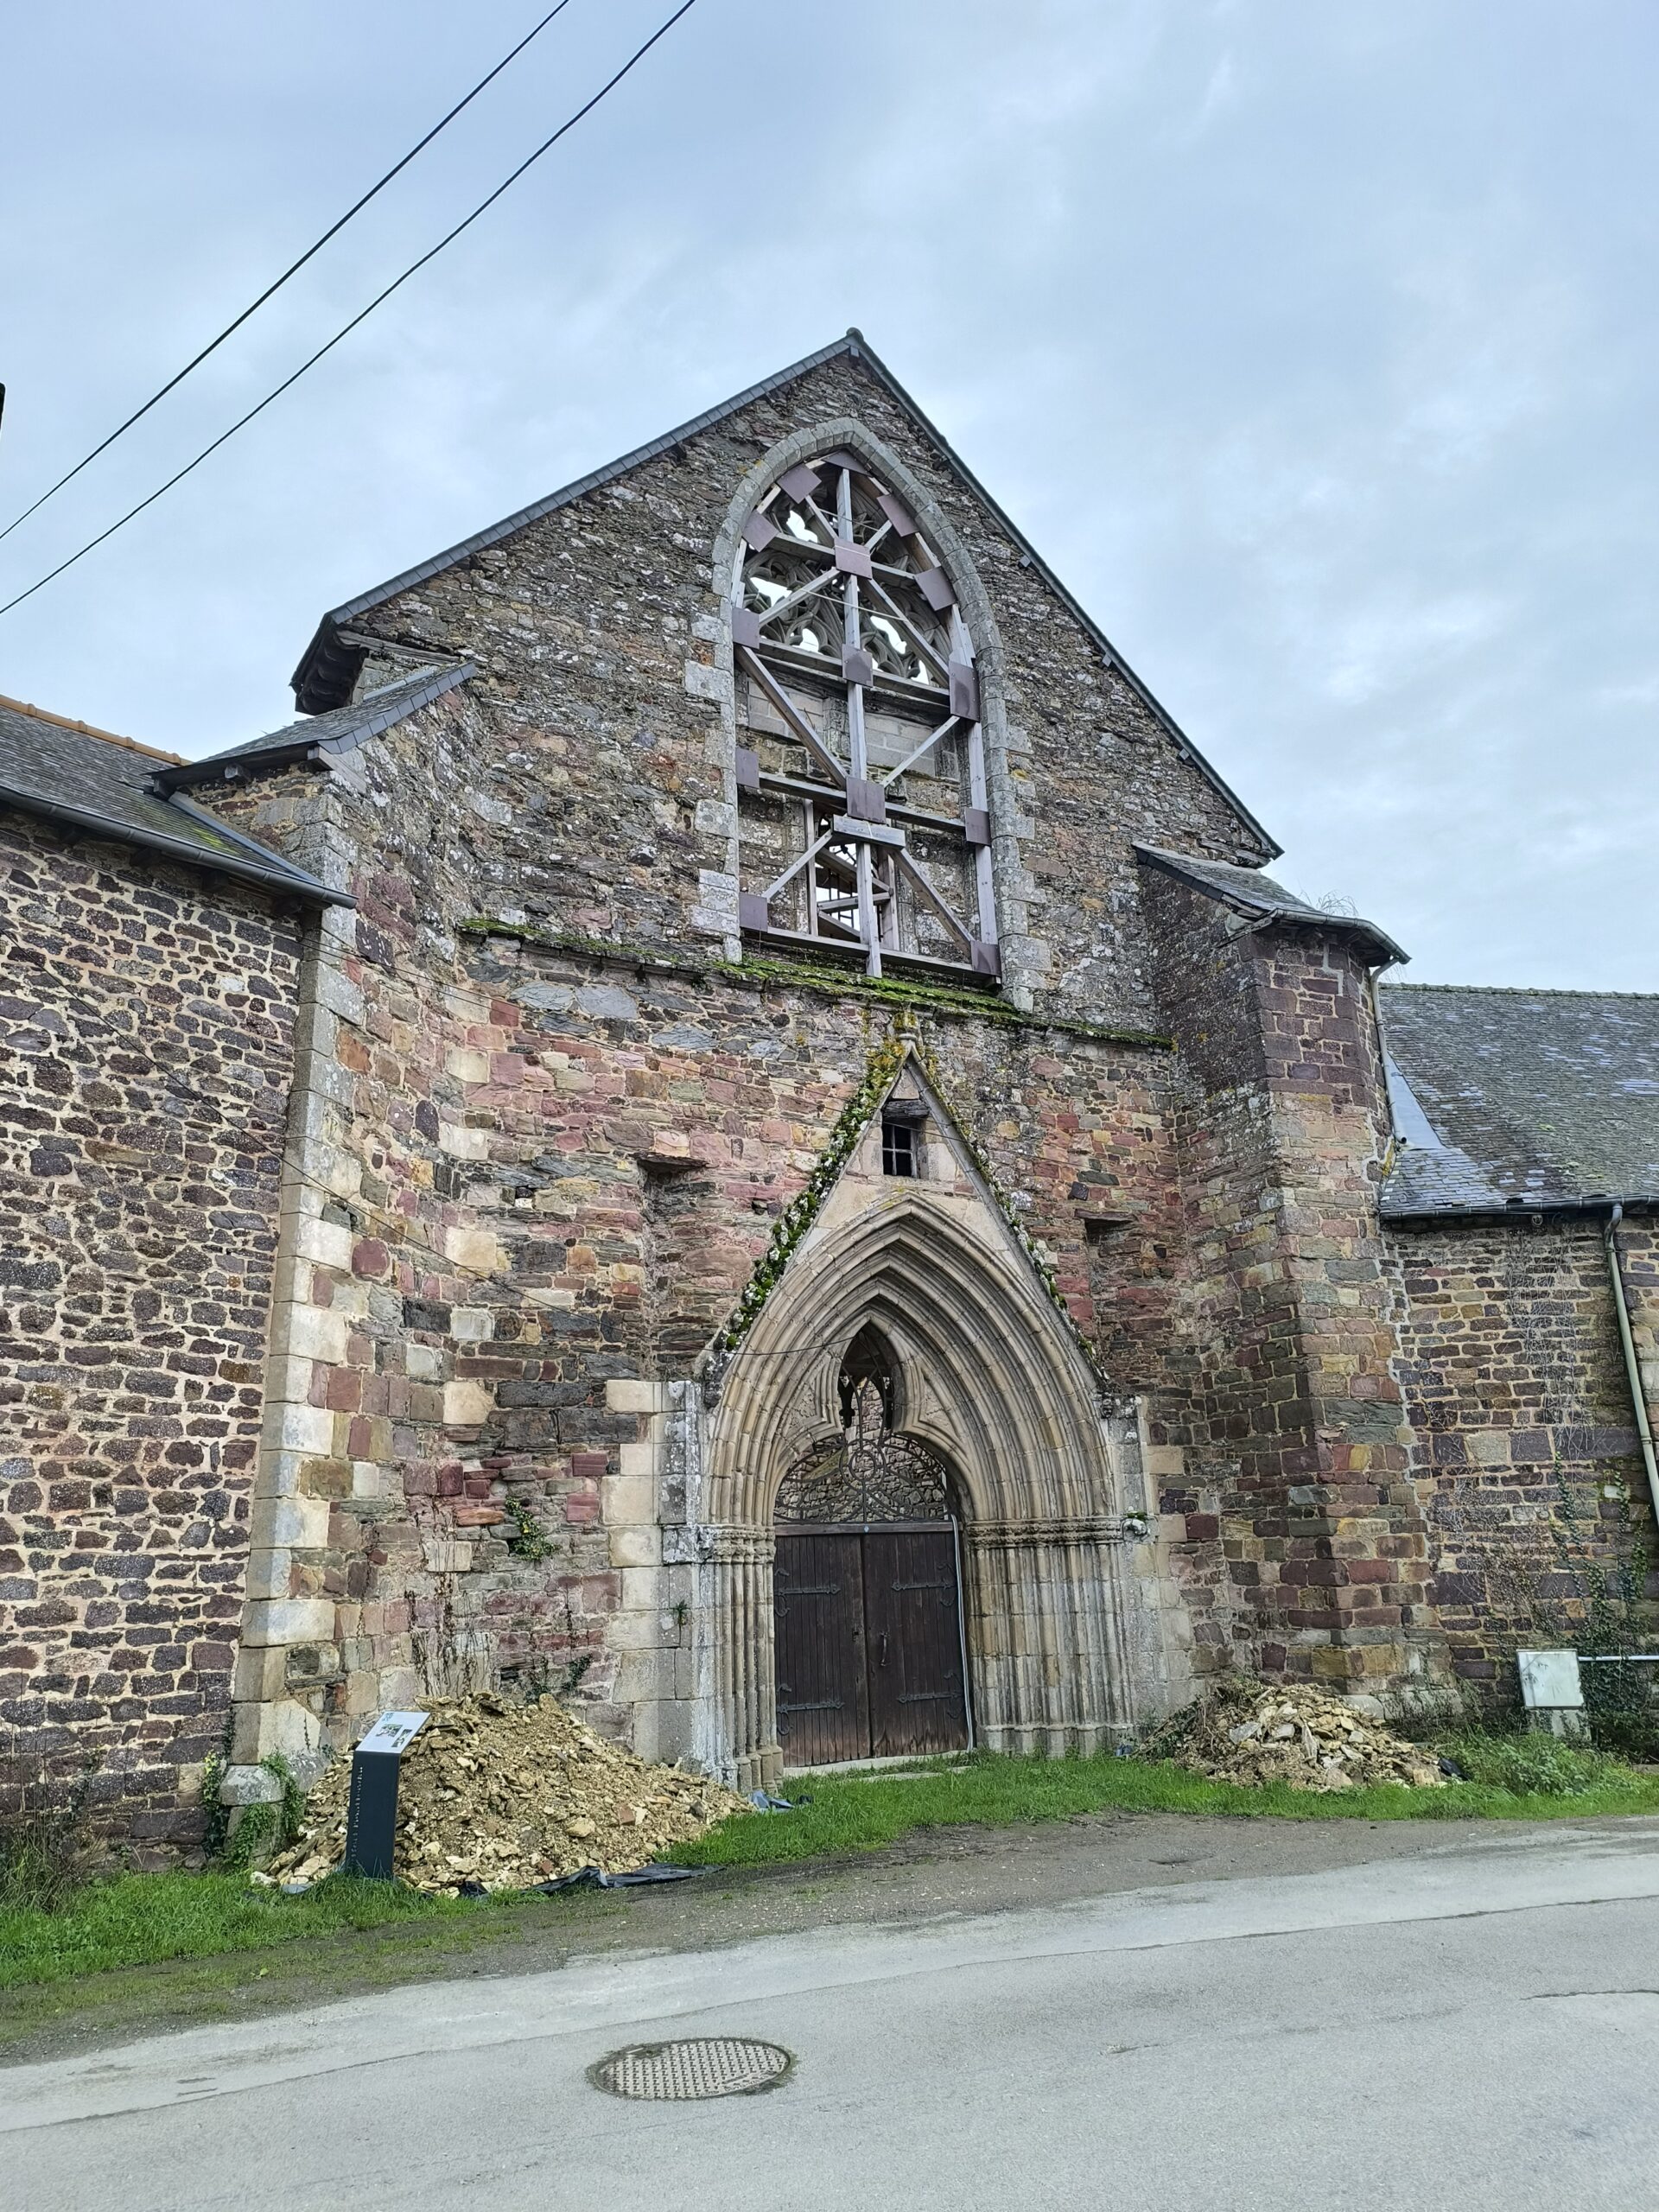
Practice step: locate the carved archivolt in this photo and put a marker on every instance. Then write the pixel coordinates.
(987, 1373)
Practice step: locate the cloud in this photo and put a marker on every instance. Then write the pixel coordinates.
(1311, 344)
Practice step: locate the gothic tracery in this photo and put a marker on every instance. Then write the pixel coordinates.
(863, 805)
(873, 1473)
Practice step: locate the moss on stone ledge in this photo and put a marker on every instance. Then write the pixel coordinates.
(941, 999)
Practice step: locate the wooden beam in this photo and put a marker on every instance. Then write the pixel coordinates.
(796, 866)
(798, 723)
(908, 862)
(926, 746)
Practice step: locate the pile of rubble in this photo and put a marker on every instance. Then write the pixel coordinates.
(1243, 1731)
(505, 1795)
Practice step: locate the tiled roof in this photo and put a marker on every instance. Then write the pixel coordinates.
(325, 735)
(105, 787)
(328, 665)
(1510, 1099)
(1259, 898)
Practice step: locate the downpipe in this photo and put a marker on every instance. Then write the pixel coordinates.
(1632, 1366)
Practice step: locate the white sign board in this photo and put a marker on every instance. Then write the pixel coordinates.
(1549, 1679)
(393, 1731)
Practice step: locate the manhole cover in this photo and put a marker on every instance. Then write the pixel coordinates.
(702, 2066)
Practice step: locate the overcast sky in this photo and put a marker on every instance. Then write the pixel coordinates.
(1312, 340)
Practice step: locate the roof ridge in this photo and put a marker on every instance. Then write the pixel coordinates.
(1522, 991)
(854, 342)
(90, 729)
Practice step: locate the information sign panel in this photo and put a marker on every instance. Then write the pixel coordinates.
(372, 1813)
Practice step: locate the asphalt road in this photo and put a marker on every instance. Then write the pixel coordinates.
(1475, 2026)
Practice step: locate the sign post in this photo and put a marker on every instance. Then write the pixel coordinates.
(372, 1815)
(1552, 1692)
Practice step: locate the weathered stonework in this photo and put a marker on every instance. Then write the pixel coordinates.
(147, 1030)
(1525, 1451)
(466, 1342)
(1298, 1445)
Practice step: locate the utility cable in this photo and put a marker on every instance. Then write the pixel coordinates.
(293, 270)
(346, 329)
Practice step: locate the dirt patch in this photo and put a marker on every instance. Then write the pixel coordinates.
(1243, 1731)
(507, 1795)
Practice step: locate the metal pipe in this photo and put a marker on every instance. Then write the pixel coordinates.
(1632, 1366)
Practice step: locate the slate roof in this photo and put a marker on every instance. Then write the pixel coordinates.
(321, 736)
(1258, 898)
(1509, 1098)
(105, 787)
(327, 668)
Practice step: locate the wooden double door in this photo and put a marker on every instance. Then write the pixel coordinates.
(868, 1641)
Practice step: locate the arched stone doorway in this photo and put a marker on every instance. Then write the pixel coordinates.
(1062, 1640)
(866, 1583)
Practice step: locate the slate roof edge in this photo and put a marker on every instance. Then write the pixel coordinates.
(1525, 991)
(1186, 867)
(254, 863)
(327, 637)
(1595, 1206)
(254, 755)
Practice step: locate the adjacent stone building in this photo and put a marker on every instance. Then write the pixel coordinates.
(730, 1125)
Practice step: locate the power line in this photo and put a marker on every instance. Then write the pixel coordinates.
(346, 329)
(333, 230)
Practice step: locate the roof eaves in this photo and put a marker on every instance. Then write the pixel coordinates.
(309, 745)
(250, 863)
(1594, 1205)
(325, 641)
(1264, 912)
(285, 872)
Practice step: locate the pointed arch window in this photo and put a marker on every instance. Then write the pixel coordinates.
(873, 1473)
(864, 817)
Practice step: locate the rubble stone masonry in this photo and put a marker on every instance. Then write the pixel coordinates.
(1298, 1507)
(547, 1126)
(355, 1271)
(1526, 1458)
(539, 1175)
(146, 1040)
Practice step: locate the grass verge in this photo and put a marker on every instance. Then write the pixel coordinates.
(138, 1919)
(146, 1920)
(863, 1812)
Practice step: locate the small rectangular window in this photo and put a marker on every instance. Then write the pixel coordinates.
(897, 1148)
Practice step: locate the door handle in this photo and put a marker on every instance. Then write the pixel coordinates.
(882, 1656)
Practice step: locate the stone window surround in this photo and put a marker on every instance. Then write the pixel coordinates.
(1025, 957)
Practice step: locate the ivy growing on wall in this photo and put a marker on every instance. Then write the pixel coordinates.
(798, 1216)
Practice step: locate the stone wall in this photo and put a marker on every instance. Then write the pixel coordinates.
(146, 1036)
(543, 1192)
(547, 1127)
(602, 800)
(1299, 1520)
(1534, 1497)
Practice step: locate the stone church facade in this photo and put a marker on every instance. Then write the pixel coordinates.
(730, 1125)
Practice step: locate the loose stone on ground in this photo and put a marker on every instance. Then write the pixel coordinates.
(506, 1796)
(1243, 1731)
